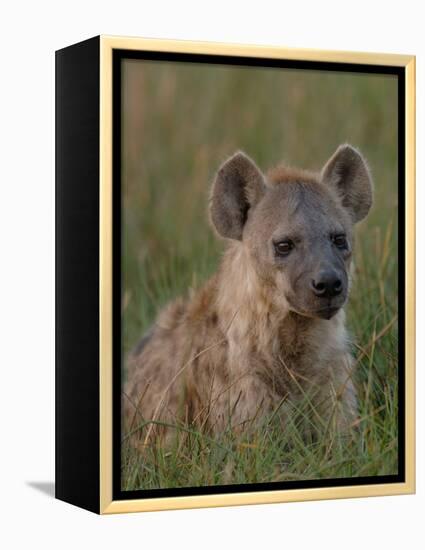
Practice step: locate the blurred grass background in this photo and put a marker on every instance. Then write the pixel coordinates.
(180, 122)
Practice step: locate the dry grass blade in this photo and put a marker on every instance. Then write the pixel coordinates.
(376, 337)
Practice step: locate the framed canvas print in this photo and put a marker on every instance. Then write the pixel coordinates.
(234, 274)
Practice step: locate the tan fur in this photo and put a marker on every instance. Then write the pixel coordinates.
(236, 349)
(285, 174)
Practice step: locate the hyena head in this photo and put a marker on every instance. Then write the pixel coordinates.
(296, 226)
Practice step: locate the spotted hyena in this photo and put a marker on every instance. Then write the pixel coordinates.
(269, 326)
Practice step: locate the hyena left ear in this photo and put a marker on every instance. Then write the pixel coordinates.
(346, 171)
(239, 185)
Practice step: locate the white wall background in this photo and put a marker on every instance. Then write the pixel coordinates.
(30, 32)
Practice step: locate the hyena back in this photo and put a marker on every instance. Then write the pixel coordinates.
(269, 326)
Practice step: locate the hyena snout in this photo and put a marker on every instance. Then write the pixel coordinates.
(326, 293)
(327, 284)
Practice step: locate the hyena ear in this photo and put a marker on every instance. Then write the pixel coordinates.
(346, 171)
(239, 185)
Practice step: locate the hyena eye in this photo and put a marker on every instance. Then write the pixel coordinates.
(340, 241)
(283, 248)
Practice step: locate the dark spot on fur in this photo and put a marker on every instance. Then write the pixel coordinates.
(140, 346)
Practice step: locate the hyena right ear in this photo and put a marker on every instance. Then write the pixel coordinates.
(238, 186)
(347, 172)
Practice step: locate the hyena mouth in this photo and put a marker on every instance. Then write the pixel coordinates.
(327, 312)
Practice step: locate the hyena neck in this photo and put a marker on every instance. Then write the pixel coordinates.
(250, 318)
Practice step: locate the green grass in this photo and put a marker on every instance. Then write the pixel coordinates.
(179, 123)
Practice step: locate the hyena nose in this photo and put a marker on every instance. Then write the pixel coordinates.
(327, 284)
